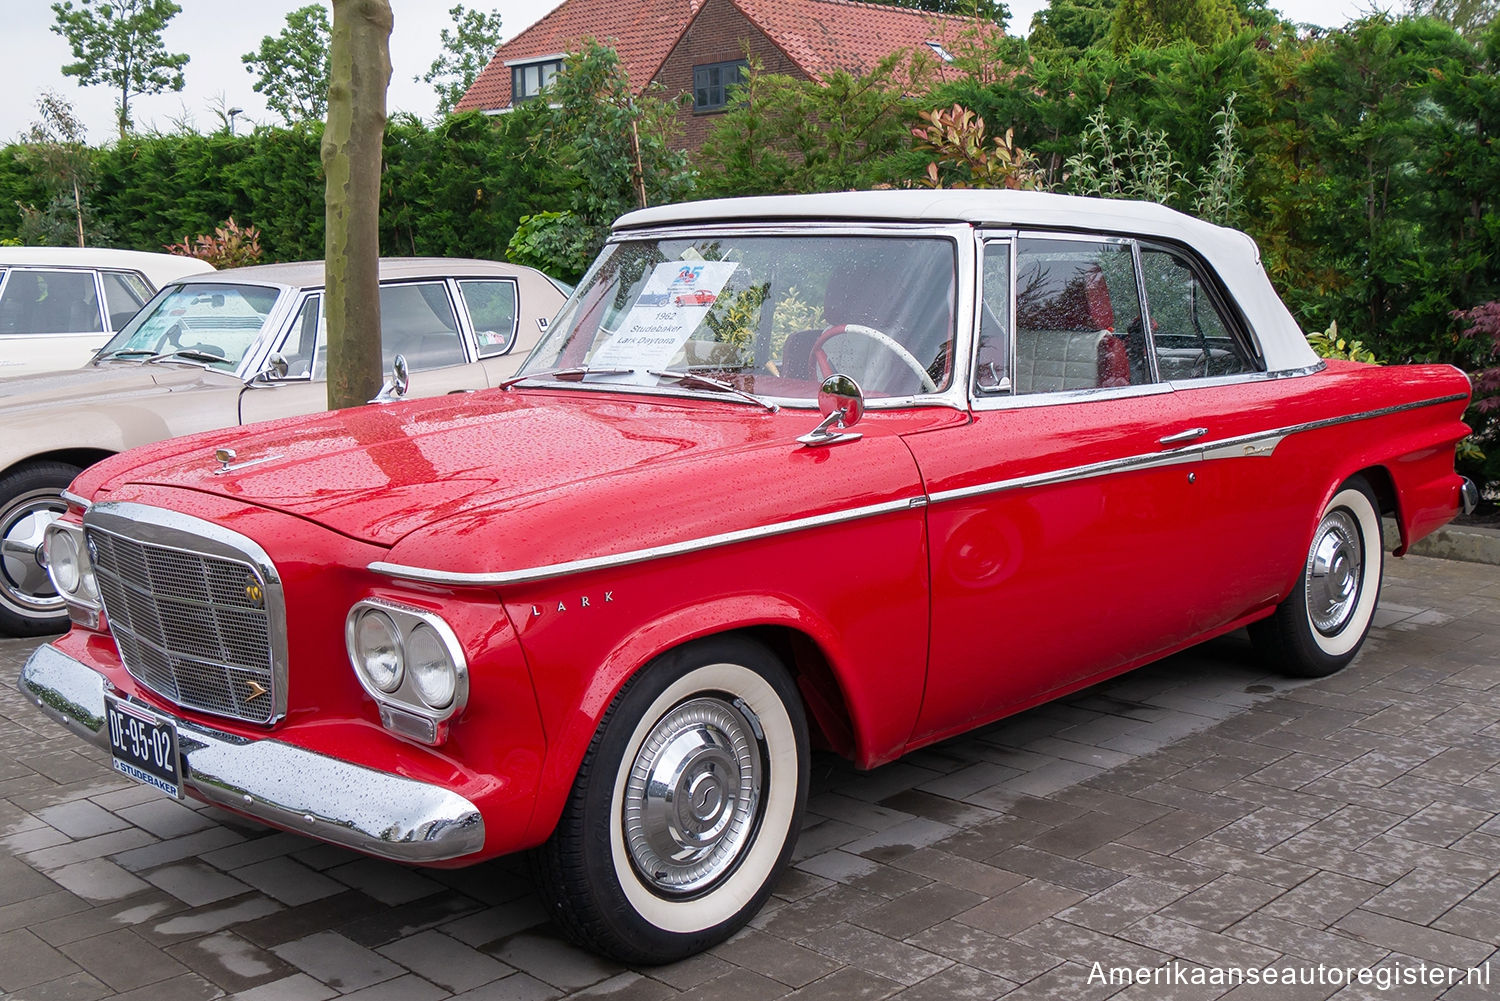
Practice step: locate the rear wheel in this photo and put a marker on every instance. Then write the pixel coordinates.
(686, 806)
(30, 500)
(1320, 626)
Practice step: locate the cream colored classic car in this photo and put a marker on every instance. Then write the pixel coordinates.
(232, 347)
(58, 305)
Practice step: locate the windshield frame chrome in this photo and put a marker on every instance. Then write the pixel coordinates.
(959, 234)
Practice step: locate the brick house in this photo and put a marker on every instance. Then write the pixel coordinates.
(698, 47)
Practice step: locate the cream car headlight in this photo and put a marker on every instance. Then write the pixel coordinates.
(410, 662)
(377, 650)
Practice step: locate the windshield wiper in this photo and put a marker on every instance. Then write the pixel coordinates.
(704, 382)
(126, 353)
(190, 354)
(574, 374)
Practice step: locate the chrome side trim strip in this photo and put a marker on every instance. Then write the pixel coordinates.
(291, 787)
(1258, 444)
(528, 574)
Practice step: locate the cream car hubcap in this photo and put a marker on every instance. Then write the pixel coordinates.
(24, 583)
(1334, 570)
(693, 795)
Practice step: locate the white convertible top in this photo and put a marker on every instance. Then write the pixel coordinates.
(1231, 253)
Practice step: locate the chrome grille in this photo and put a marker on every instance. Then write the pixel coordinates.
(191, 627)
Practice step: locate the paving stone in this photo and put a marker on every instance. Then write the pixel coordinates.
(955, 870)
(773, 957)
(555, 962)
(494, 923)
(1426, 943)
(406, 988)
(98, 880)
(187, 987)
(900, 839)
(847, 984)
(81, 819)
(73, 987)
(1020, 908)
(1189, 942)
(165, 818)
(288, 881)
(803, 918)
(1006, 958)
(72, 852)
(445, 961)
(1221, 903)
(1422, 896)
(1440, 824)
(1243, 862)
(1121, 904)
(689, 973)
(336, 961)
(195, 883)
(231, 962)
(1302, 942)
(385, 881)
(878, 954)
(919, 909)
(958, 983)
(297, 987)
(1175, 831)
(123, 960)
(1085, 946)
(36, 910)
(741, 985)
(109, 917)
(1133, 861)
(176, 849)
(1321, 900)
(26, 960)
(213, 918)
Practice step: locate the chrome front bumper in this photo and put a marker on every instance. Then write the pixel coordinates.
(289, 787)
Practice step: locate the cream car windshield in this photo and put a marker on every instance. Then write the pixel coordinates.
(767, 315)
(199, 323)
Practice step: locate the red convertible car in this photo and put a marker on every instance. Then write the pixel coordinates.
(928, 459)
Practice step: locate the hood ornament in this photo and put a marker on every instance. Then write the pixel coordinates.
(225, 458)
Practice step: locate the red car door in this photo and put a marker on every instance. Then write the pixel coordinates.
(1060, 518)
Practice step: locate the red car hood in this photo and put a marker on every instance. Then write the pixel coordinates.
(495, 480)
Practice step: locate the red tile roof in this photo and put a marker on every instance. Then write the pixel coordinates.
(642, 32)
(818, 35)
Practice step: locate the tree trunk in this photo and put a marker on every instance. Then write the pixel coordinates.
(360, 71)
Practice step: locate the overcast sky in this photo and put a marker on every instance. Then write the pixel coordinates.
(216, 33)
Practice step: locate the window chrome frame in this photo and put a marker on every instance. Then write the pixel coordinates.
(959, 234)
(1222, 302)
(466, 318)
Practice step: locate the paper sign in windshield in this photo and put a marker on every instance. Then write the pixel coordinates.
(676, 298)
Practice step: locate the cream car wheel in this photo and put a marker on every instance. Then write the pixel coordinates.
(696, 779)
(30, 500)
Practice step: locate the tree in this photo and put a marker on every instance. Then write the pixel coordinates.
(1470, 17)
(293, 66)
(1071, 25)
(55, 150)
(359, 73)
(118, 43)
(1160, 22)
(618, 145)
(988, 10)
(467, 50)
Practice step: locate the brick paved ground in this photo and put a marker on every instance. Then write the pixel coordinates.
(1195, 811)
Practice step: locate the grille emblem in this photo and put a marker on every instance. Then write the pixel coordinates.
(256, 595)
(256, 691)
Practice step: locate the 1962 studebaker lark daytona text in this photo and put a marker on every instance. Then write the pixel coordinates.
(855, 471)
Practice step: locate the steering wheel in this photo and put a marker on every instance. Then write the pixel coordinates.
(172, 335)
(825, 367)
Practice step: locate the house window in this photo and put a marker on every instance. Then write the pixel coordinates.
(712, 81)
(531, 79)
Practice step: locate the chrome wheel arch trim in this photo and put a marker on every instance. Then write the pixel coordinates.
(1259, 444)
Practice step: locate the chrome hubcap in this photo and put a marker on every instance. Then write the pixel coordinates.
(693, 795)
(1333, 573)
(24, 584)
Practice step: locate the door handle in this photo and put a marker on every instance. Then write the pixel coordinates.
(1181, 437)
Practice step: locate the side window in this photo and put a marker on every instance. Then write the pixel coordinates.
(417, 321)
(306, 346)
(492, 310)
(1078, 323)
(50, 302)
(1192, 340)
(992, 362)
(124, 295)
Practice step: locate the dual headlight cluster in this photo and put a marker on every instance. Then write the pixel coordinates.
(72, 572)
(411, 663)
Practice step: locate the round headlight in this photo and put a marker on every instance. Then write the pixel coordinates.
(63, 562)
(377, 647)
(431, 667)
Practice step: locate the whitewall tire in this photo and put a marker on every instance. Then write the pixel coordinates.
(686, 807)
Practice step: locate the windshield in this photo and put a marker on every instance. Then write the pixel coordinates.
(770, 315)
(209, 324)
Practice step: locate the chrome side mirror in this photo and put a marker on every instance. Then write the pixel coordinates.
(842, 403)
(395, 387)
(276, 368)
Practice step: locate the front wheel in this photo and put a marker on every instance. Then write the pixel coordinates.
(30, 500)
(1318, 629)
(686, 806)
